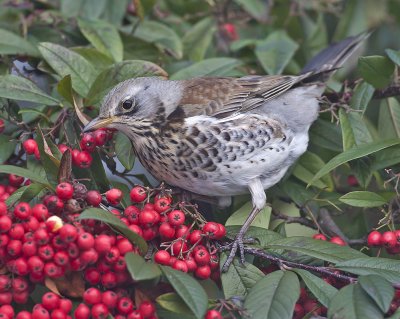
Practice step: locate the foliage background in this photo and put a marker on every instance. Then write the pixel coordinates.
(76, 50)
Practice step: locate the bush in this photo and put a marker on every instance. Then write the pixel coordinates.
(79, 237)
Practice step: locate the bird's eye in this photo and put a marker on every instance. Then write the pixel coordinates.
(128, 104)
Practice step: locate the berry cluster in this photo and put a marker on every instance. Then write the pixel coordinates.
(389, 240)
(80, 157)
(335, 239)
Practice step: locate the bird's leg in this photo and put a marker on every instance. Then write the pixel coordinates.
(259, 200)
(238, 241)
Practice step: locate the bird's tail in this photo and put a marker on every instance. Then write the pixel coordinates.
(333, 57)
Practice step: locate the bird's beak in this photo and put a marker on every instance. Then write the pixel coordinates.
(98, 123)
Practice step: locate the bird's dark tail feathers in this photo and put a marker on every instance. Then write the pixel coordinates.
(333, 57)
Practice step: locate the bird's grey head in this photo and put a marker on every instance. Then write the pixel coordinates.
(133, 105)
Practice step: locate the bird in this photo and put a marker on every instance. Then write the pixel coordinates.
(223, 136)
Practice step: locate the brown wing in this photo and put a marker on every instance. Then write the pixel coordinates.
(221, 97)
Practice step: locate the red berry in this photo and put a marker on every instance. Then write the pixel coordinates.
(110, 299)
(17, 231)
(82, 312)
(40, 212)
(99, 311)
(338, 241)
(19, 284)
(7, 310)
(114, 196)
(14, 248)
(64, 191)
(389, 239)
(147, 217)
(55, 204)
(40, 313)
(147, 309)
(102, 244)
(30, 146)
(50, 301)
(68, 233)
(61, 258)
(203, 272)
(5, 223)
(46, 252)
(221, 231)
(24, 314)
(211, 229)
(138, 194)
(22, 211)
(83, 159)
(202, 257)
(3, 209)
(63, 148)
(178, 247)
(124, 246)
(374, 239)
(85, 241)
(352, 181)
(92, 276)
(162, 204)
(180, 265)
(92, 296)
(319, 236)
(167, 232)
(35, 264)
(15, 180)
(132, 213)
(58, 314)
(5, 298)
(124, 305)
(298, 312)
(93, 198)
(65, 305)
(162, 257)
(52, 270)
(100, 137)
(213, 314)
(176, 218)
(41, 236)
(88, 142)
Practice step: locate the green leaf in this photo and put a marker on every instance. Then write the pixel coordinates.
(389, 118)
(67, 62)
(124, 151)
(19, 171)
(18, 88)
(14, 197)
(316, 248)
(352, 302)
(238, 217)
(256, 8)
(207, 67)
(323, 291)
(64, 88)
(197, 40)
(396, 315)
(239, 278)
(349, 139)
(140, 269)
(354, 153)
(97, 170)
(189, 290)
(7, 147)
(376, 70)
(83, 8)
(119, 72)
(307, 166)
(275, 52)
(384, 267)
(31, 192)
(110, 219)
(172, 302)
(326, 135)
(103, 36)
(274, 296)
(162, 36)
(11, 43)
(50, 163)
(354, 130)
(379, 289)
(393, 55)
(363, 199)
(362, 95)
(95, 57)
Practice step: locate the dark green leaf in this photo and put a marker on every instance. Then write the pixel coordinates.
(67, 62)
(386, 268)
(323, 291)
(14, 197)
(110, 219)
(103, 36)
(207, 67)
(275, 52)
(161, 35)
(97, 170)
(326, 135)
(351, 302)
(363, 199)
(7, 147)
(393, 55)
(197, 39)
(188, 289)
(31, 192)
(389, 118)
(376, 70)
(274, 296)
(124, 151)
(100, 60)
(362, 95)
(64, 88)
(257, 8)
(83, 8)
(379, 289)
(172, 302)
(120, 72)
(140, 269)
(354, 153)
(316, 248)
(11, 43)
(239, 216)
(19, 171)
(239, 278)
(354, 130)
(18, 88)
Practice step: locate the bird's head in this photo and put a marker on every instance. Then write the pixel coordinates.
(133, 105)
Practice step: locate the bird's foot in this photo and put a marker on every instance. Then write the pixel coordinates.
(237, 243)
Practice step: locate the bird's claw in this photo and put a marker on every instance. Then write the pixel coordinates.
(238, 242)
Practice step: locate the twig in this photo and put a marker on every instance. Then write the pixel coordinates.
(292, 219)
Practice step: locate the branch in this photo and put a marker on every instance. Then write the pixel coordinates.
(292, 219)
(390, 91)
